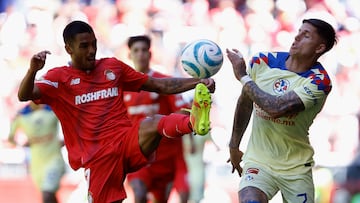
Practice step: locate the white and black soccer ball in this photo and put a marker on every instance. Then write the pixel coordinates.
(201, 58)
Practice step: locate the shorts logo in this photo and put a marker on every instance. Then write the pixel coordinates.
(249, 177)
(280, 86)
(252, 170)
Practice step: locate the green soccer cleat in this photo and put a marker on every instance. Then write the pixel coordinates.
(200, 110)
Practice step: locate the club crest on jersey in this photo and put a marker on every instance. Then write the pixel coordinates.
(109, 74)
(280, 86)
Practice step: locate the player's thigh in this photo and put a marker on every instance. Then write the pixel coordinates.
(101, 176)
(134, 157)
(139, 187)
(159, 192)
(257, 183)
(53, 174)
(298, 188)
(149, 138)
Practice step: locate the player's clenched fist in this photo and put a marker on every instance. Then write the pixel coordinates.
(38, 60)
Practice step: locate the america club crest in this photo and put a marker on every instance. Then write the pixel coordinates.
(281, 86)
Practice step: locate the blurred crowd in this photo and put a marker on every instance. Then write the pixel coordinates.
(27, 27)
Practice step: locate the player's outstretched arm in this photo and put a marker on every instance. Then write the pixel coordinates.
(276, 106)
(242, 117)
(27, 90)
(176, 85)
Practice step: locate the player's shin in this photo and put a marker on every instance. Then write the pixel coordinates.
(174, 125)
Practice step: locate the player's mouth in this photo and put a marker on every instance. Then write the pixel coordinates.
(91, 59)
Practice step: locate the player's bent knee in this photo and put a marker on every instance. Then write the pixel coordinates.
(252, 195)
(150, 124)
(139, 189)
(149, 138)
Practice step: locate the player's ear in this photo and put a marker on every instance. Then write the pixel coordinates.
(321, 48)
(68, 49)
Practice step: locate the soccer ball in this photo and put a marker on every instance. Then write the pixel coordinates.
(201, 58)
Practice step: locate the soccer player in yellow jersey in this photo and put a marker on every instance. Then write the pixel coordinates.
(283, 91)
(40, 125)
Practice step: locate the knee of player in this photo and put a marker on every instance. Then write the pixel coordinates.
(139, 188)
(150, 123)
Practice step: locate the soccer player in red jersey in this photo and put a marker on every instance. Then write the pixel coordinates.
(87, 98)
(169, 166)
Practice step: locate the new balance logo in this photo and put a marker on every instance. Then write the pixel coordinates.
(75, 81)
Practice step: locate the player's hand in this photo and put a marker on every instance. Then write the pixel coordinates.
(38, 60)
(238, 63)
(210, 84)
(235, 159)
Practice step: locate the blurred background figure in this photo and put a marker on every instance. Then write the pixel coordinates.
(168, 170)
(40, 126)
(194, 151)
(346, 185)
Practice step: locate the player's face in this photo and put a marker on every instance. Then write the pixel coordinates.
(140, 55)
(83, 51)
(307, 42)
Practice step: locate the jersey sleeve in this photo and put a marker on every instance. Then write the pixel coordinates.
(314, 92)
(255, 61)
(48, 85)
(316, 88)
(15, 124)
(132, 79)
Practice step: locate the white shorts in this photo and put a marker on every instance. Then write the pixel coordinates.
(294, 188)
(49, 178)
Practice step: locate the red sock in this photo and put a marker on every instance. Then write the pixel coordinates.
(174, 125)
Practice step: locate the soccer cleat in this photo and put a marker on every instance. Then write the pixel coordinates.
(200, 110)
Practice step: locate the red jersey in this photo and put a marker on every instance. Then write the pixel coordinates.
(143, 103)
(90, 106)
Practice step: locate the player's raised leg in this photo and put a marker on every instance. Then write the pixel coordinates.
(175, 125)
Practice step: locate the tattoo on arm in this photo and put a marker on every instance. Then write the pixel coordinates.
(275, 106)
(174, 84)
(169, 85)
(242, 117)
